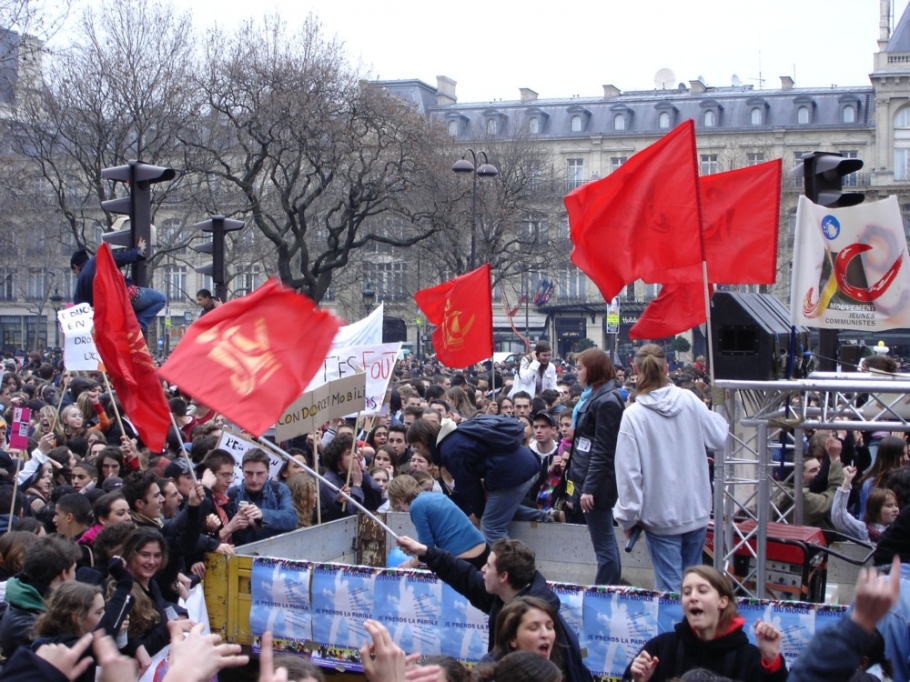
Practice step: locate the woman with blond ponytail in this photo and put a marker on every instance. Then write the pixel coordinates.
(662, 468)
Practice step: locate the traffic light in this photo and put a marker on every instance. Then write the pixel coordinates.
(138, 206)
(218, 225)
(824, 172)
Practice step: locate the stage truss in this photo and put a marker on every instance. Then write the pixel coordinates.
(772, 416)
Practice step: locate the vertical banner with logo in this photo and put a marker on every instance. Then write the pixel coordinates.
(850, 267)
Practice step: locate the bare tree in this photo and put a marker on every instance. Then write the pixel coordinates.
(309, 152)
(120, 93)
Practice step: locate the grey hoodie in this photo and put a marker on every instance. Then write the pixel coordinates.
(661, 465)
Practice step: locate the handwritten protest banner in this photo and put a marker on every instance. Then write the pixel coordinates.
(315, 407)
(238, 445)
(79, 352)
(377, 360)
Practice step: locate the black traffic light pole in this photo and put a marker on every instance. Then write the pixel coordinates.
(823, 173)
(140, 177)
(218, 225)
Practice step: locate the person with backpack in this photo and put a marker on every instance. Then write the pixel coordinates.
(493, 471)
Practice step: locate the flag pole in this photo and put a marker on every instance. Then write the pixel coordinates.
(347, 482)
(63, 388)
(315, 464)
(281, 453)
(183, 451)
(110, 392)
(704, 268)
(12, 504)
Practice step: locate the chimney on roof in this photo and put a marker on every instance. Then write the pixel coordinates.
(884, 24)
(698, 86)
(445, 91)
(786, 83)
(527, 95)
(611, 91)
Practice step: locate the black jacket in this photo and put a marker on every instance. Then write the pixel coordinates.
(731, 655)
(465, 579)
(27, 666)
(592, 464)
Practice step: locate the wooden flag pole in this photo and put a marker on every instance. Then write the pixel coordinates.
(63, 388)
(347, 482)
(114, 403)
(12, 504)
(183, 451)
(315, 464)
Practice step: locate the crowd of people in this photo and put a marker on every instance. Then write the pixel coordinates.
(101, 540)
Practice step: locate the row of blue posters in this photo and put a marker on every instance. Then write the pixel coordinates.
(319, 609)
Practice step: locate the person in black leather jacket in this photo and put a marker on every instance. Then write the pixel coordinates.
(592, 473)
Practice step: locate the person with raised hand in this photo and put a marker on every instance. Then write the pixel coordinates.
(835, 653)
(385, 661)
(196, 657)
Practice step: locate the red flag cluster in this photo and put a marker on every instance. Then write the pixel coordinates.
(654, 219)
(462, 310)
(252, 357)
(125, 355)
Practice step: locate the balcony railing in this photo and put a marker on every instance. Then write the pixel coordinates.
(852, 180)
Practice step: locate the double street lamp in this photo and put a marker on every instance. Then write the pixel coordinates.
(485, 170)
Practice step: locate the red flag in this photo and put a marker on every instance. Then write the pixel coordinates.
(252, 357)
(679, 306)
(462, 310)
(126, 357)
(741, 214)
(642, 219)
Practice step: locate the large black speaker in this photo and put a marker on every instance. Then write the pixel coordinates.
(751, 336)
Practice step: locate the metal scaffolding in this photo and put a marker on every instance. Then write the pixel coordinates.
(767, 423)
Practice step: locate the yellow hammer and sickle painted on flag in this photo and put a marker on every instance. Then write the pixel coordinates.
(139, 351)
(453, 332)
(250, 360)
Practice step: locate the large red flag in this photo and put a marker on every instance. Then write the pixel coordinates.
(462, 310)
(642, 219)
(252, 357)
(126, 357)
(741, 214)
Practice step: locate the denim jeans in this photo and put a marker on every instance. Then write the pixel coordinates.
(146, 306)
(505, 505)
(671, 555)
(603, 537)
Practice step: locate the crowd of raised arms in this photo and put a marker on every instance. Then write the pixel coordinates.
(101, 540)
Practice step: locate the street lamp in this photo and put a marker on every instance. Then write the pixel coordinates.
(56, 299)
(485, 170)
(369, 296)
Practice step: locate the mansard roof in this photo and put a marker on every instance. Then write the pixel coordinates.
(900, 39)
(737, 102)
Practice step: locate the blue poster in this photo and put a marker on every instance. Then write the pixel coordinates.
(280, 594)
(795, 620)
(465, 629)
(571, 600)
(669, 612)
(827, 615)
(408, 603)
(342, 601)
(618, 623)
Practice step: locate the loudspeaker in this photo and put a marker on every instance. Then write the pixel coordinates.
(751, 336)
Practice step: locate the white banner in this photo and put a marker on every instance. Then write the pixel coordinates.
(363, 332)
(238, 445)
(315, 407)
(79, 352)
(851, 268)
(377, 360)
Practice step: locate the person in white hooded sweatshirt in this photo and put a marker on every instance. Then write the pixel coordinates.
(662, 468)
